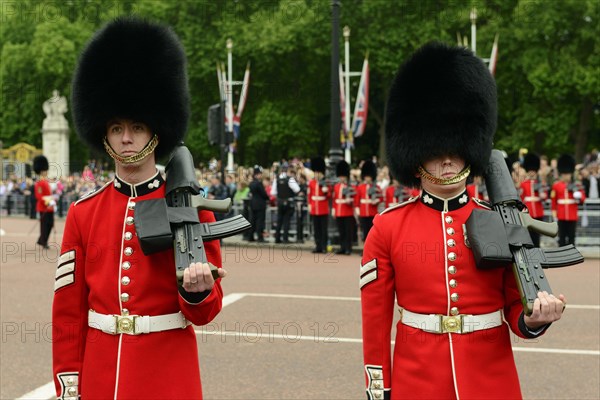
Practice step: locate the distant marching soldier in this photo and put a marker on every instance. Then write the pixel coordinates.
(368, 196)
(45, 201)
(343, 210)
(566, 196)
(396, 193)
(318, 204)
(533, 193)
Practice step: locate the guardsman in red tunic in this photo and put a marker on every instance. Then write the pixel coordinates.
(452, 339)
(476, 189)
(343, 210)
(566, 196)
(45, 202)
(318, 204)
(367, 198)
(397, 193)
(122, 326)
(532, 193)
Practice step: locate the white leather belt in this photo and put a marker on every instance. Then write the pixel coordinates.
(566, 201)
(341, 201)
(136, 324)
(366, 201)
(462, 323)
(319, 198)
(531, 198)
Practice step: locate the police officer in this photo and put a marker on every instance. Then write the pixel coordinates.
(285, 188)
(258, 204)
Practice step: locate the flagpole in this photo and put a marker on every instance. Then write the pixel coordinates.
(347, 152)
(474, 30)
(335, 152)
(229, 110)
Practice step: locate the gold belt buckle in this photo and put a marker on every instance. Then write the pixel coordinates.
(126, 324)
(452, 324)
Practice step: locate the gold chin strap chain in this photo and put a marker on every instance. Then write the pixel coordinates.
(462, 175)
(146, 151)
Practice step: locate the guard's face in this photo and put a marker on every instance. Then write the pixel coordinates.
(127, 137)
(444, 167)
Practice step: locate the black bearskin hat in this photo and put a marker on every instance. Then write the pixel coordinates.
(40, 163)
(317, 164)
(342, 169)
(531, 162)
(442, 101)
(368, 169)
(566, 164)
(132, 69)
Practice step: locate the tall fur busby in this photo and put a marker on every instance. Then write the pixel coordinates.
(565, 164)
(442, 101)
(368, 169)
(132, 69)
(342, 169)
(531, 162)
(317, 164)
(40, 163)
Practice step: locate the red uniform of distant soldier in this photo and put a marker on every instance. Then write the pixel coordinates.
(343, 210)
(566, 197)
(532, 192)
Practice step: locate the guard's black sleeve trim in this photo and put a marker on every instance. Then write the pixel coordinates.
(528, 333)
(193, 298)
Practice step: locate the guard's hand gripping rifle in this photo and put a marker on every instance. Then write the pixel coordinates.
(172, 222)
(503, 236)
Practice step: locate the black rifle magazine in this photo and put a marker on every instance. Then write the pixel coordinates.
(488, 239)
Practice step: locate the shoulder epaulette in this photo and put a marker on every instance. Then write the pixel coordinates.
(91, 194)
(411, 200)
(482, 203)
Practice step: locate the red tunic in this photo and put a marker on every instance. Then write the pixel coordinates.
(318, 200)
(362, 200)
(42, 189)
(342, 205)
(532, 196)
(563, 201)
(95, 272)
(412, 246)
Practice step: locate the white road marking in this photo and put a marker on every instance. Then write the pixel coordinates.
(46, 391)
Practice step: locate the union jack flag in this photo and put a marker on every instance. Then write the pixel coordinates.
(359, 121)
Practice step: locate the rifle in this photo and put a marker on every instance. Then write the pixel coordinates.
(172, 222)
(503, 236)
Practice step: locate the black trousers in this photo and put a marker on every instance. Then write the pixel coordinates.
(257, 219)
(46, 225)
(345, 227)
(366, 223)
(320, 228)
(566, 232)
(284, 215)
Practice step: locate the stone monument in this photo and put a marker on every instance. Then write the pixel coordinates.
(55, 135)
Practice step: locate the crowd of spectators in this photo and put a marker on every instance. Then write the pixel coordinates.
(94, 175)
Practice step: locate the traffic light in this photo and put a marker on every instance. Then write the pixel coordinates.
(215, 124)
